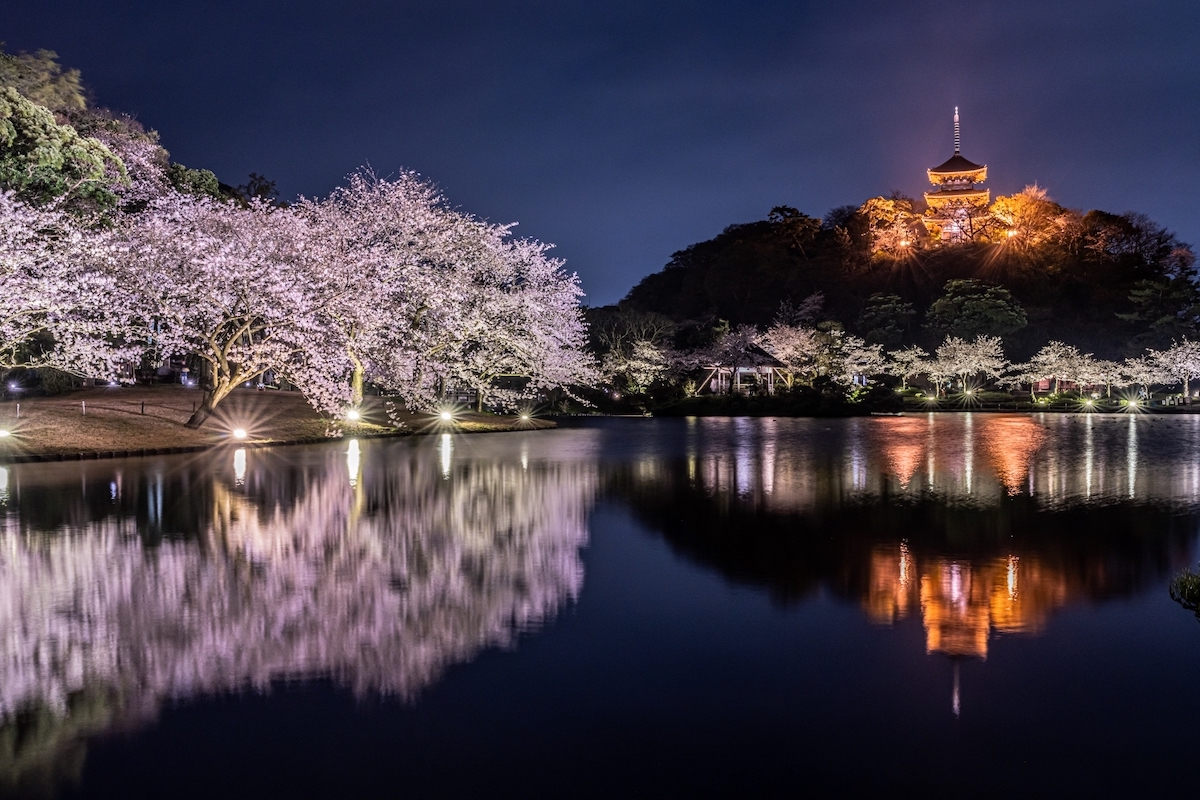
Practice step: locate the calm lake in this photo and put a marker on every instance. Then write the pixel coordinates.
(955, 604)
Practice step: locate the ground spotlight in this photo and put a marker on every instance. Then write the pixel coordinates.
(525, 418)
(446, 416)
(239, 433)
(4, 433)
(353, 415)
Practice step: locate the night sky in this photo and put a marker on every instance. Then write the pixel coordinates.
(623, 131)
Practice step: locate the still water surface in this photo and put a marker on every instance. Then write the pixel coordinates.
(951, 604)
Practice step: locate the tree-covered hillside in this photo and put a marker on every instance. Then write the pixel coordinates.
(1034, 271)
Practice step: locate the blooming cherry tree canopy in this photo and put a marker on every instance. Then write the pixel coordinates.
(61, 303)
(238, 288)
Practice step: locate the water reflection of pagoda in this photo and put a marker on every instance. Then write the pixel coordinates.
(962, 602)
(958, 196)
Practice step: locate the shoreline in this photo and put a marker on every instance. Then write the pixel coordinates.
(139, 421)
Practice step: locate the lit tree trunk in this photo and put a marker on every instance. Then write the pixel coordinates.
(356, 380)
(212, 396)
(226, 376)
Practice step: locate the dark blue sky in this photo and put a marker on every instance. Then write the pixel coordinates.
(623, 131)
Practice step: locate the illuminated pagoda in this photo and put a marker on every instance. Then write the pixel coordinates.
(958, 199)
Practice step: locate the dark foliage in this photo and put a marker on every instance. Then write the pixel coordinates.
(1110, 284)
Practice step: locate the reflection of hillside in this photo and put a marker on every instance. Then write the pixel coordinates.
(798, 505)
(377, 570)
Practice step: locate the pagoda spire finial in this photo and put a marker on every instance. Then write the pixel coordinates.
(956, 139)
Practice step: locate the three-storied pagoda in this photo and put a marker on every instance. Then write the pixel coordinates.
(958, 199)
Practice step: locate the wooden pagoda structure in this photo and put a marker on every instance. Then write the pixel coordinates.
(958, 199)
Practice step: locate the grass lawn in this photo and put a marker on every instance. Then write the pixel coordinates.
(132, 418)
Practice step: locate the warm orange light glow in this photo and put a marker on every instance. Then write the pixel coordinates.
(905, 446)
(962, 602)
(1011, 442)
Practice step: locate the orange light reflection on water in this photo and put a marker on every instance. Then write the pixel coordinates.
(1011, 443)
(963, 601)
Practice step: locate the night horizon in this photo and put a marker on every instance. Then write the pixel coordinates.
(625, 134)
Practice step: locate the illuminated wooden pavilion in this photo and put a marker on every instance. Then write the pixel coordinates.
(958, 199)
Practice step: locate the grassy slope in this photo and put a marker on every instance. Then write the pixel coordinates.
(50, 426)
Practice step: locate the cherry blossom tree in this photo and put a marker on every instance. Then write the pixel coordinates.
(855, 359)
(908, 363)
(638, 366)
(1090, 371)
(1056, 361)
(1029, 218)
(808, 353)
(796, 347)
(1181, 361)
(388, 245)
(424, 296)
(965, 360)
(1143, 372)
(521, 320)
(1101, 371)
(892, 225)
(61, 303)
(636, 353)
(238, 288)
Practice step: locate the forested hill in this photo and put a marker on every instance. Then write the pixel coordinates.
(1034, 271)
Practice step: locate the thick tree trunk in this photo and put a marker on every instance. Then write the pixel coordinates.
(479, 401)
(212, 397)
(201, 414)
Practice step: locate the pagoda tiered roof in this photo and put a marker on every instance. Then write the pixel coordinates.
(956, 165)
(958, 193)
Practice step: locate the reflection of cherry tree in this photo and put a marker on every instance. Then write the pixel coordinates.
(379, 580)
